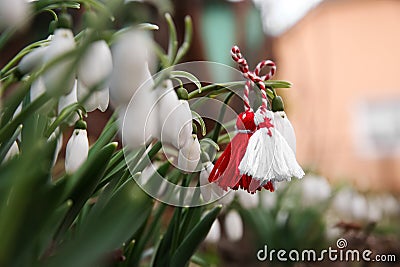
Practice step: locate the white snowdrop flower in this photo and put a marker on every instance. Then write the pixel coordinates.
(315, 189)
(32, 60)
(214, 235)
(375, 211)
(98, 99)
(208, 189)
(233, 226)
(247, 200)
(138, 123)
(268, 199)
(390, 205)
(282, 217)
(175, 116)
(77, 150)
(131, 63)
(37, 88)
(13, 13)
(283, 125)
(67, 100)
(189, 155)
(96, 65)
(59, 79)
(94, 69)
(360, 207)
(227, 198)
(342, 203)
(12, 152)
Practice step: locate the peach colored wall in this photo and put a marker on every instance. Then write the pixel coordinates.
(340, 53)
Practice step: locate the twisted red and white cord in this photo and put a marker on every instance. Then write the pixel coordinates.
(253, 76)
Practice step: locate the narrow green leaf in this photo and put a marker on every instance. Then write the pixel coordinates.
(189, 245)
(173, 39)
(5, 147)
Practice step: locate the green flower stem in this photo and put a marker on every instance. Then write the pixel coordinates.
(223, 87)
(218, 126)
(187, 40)
(173, 40)
(6, 69)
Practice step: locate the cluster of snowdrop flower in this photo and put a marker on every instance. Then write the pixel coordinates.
(86, 85)
(147, 112)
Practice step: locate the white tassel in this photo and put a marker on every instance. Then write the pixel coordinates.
(283, 125)
(268, 157)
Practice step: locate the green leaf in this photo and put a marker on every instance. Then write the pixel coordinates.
(81, 185)
(189, 245)
(105, 228)
(187, 75)
(5, 147)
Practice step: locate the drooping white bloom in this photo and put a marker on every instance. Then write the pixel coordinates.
(77, 150)
(12, 152)
(59, 79)
(32, 60)
(13, 13)
(247, 200)
(131, 63)
(94, 70)
(95, 66)
(138, 123)
(37, 89)
(283, 125)
(268, 156)
(175, 116)
(67, 100)
(315, 189)
(97, 100)
(208, 189)
(214, 234)
(233, 226)
(189, 155)
(268, 200)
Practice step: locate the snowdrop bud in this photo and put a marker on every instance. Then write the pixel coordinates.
(12, 152)
(208, 189)
(342, 202)
(131, 62)
(189, 155)
(233, 226)
(95, 66)
(97, 99)
(59, 79)
(13, 13)
(247, 200)
(77, 150)
(268, 199)
(67, 100)
(283, 125)
(215, 233)
(32, 60)
(175, 116)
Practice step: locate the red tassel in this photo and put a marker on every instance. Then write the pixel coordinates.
(226, 172)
